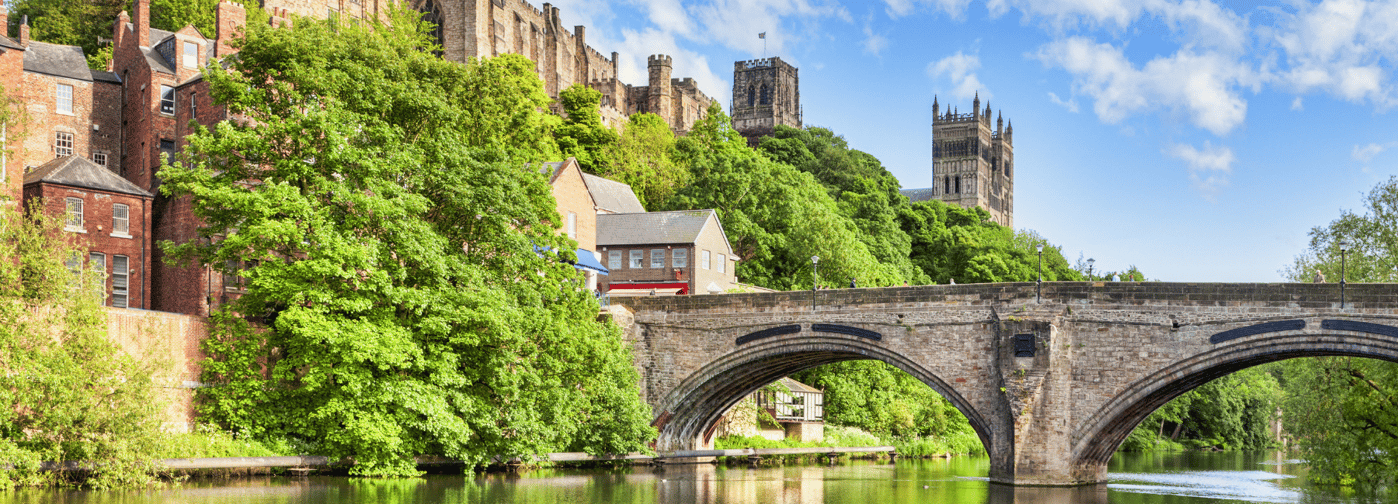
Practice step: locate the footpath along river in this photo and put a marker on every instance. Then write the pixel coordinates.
(1173, 478)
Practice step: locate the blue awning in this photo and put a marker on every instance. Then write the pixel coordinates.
(586, 261)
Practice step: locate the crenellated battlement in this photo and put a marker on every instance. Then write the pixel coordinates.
(659, 60)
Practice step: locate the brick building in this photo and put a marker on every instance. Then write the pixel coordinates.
(972, 164)
(106, 212)
(680, 252)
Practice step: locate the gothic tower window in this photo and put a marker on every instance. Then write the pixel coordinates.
(958, 184)
(763, 98)
(752, 95)
(946, 185)
(432, 13)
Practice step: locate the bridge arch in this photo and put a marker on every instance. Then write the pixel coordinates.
(688, 414)
(1103, 433)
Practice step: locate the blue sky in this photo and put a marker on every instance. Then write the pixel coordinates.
(1197, 140)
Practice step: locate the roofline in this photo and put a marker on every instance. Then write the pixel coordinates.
(89, 79)
(92, 189)
(721, 232)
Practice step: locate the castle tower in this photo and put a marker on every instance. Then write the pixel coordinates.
(973, 161)
(766, 93)
(660, 101)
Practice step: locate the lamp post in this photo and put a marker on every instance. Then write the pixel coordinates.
(1090, 261)
(1039, 284)
(815, 261)
(1344, 247)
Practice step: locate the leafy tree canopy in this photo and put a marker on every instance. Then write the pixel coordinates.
(397, 251)
(645, 159)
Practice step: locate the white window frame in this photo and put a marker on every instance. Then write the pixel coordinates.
(121, 220)
(614, 259)
(191, 55)
(637, 257)
(167, 100)
(722, 259)
(657, 258)
(73, 210)
(121, 281)
(704, 260)
(63, 143)
(679, 258)
(99, 159)
(63, 99)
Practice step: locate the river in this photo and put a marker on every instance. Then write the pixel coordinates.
(1163, 478)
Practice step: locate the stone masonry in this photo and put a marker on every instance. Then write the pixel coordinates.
(972, 163)
(766, 94)
(1051, 388)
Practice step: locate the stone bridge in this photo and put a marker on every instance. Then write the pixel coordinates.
(1052, 388)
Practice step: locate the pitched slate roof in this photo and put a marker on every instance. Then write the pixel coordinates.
(652, 228)
(6, 41)
(612, 196)
(77, 171)
(916, 195)
(60, 60)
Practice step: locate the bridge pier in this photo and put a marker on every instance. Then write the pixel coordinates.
(1032, 436)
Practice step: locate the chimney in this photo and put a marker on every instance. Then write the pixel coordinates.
(119, 30)
(5, 19)
(142, 23)
(231, 19)
(24, 31)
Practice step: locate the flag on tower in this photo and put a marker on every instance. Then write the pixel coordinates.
(762, 35)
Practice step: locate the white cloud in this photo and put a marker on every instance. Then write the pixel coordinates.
(1203, 85)
(736, 23)
(1297, 105)
(1209, 166)
(960, 71)
(1366, 153)
(900, 8)
(1342, 47)
(636, 46)
(1071, 104)
(874, 43)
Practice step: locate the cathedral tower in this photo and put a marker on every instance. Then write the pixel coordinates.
(973, 161)
(766, 92)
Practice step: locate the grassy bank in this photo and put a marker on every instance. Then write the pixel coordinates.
(959, 443)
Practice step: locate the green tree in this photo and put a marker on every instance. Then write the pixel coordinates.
(1341, 411)
(67, 391)
(83, 23)
(866, 192)
(776, 216)
(583, 135)
(174, 15)
(883, 400)
(402, 289)
(962, 244)
(644, 158)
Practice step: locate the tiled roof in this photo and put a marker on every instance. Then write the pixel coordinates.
(916, 195)
(6, 41)
(60, 60)
(796, 386)
(77, 171)
(612, 196)
(651, 228)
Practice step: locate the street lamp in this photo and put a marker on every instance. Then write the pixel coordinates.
(1039, 285)
(1090, 261)
(1344, 247)
(815, 261)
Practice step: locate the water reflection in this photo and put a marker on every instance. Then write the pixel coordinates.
(1139, 479)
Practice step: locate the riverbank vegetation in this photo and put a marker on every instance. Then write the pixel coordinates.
(67, 391)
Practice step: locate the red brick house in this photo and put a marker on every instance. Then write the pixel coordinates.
(107, 212)
(679, 252)
(162, 91)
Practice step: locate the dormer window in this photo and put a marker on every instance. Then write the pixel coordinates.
(191, 55)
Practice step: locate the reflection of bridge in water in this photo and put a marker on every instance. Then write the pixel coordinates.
(1051, 388)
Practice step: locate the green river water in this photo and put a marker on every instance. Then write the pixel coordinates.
(1175, 478)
